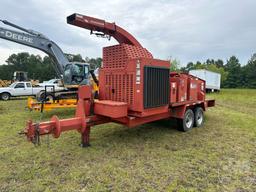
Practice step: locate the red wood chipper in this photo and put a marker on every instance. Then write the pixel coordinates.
(134, 88)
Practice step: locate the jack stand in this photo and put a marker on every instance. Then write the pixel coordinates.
(85, 136)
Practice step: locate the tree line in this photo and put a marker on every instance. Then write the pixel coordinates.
(38, 68)
(233, 73)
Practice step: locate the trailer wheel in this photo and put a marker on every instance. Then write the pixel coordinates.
(49, 97)
(41, 96)
(187, 122)
(5, 96)
(199, 117)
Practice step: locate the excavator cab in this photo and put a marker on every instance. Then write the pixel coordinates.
(76, 74)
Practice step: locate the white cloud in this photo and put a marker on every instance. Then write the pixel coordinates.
(186, 29)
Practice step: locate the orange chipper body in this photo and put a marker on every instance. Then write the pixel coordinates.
(134, 88)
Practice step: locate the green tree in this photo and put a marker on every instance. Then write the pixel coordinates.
(174, 65)
(210, 61)
(75, 58)
(191, 66)
(233, 67)
(37, 67)
(249, 72)
(219, 63)
(6, 72)
(94, 63)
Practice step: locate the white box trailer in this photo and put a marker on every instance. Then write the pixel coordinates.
(212, 79)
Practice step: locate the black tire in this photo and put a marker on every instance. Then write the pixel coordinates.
(199, 117)
(49, 97)
(186, 124)
(41, 97)
(5, 96)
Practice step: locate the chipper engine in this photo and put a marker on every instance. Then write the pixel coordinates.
(134, 88)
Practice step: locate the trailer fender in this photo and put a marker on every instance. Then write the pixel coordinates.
(202, 105)
(178, 112)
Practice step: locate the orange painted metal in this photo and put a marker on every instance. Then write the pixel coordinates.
(108, 108)
(120, 84)
(56, 126)
(118, 56)
(185, 87)
(173, 91)
(210, 103)
(192, 89)
(99, 25)
(122, 88)
(131, 121)
(32, 104)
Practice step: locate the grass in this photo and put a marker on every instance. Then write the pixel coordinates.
(152, 157)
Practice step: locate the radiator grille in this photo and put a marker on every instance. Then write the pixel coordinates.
(119, 87)
(156, 86)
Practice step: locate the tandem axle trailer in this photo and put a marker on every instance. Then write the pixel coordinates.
(134, 88)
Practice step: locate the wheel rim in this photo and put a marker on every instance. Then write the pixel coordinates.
(199, 118)
(42, 97)
(49, 98)
(5, 97)
(189, 120)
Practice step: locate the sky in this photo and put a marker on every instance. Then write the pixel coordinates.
(188, 30)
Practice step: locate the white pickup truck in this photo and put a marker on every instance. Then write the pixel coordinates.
(19, 89)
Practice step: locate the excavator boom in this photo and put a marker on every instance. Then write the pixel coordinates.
(38, 41)
(72, 73)
(32, 32)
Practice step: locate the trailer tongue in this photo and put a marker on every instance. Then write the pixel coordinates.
(134, 88)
